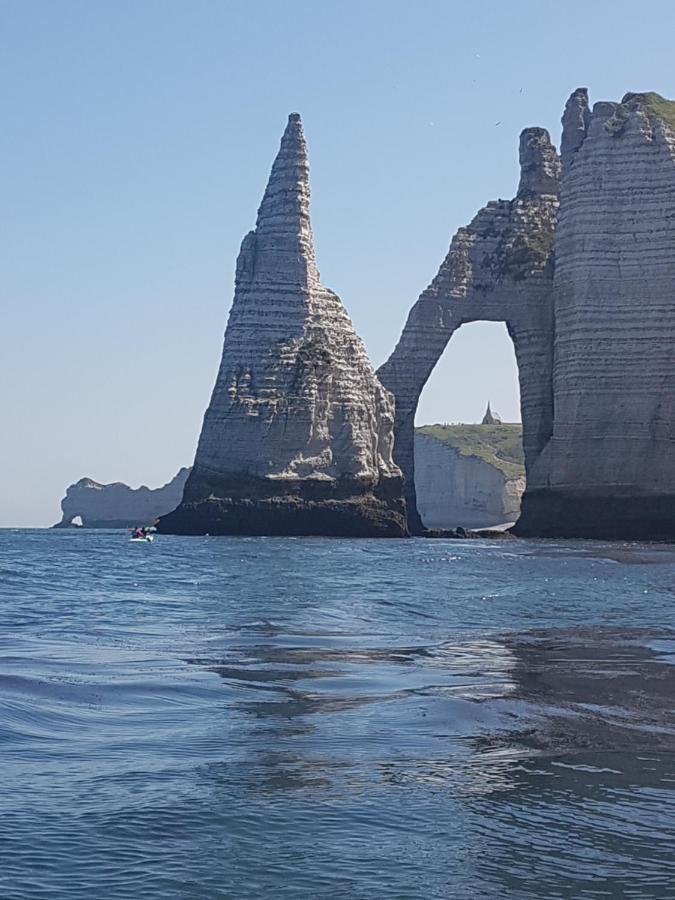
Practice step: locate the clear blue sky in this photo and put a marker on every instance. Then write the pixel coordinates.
(137, 139)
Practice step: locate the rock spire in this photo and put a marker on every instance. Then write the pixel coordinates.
(298, 436)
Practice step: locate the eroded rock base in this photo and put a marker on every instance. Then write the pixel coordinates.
(601, 516)
(257, 506)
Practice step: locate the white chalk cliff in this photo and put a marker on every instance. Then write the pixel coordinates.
(462, 489)
(499, 268)
(581, 268)
(298, 436)
(609, 468)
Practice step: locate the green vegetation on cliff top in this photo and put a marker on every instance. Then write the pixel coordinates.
(499, 445)
(656, 105)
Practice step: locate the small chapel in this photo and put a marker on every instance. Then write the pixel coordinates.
(491, 418)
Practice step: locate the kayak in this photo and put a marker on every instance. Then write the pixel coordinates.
(148, 539)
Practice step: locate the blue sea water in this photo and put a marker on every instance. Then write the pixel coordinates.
(306, 718)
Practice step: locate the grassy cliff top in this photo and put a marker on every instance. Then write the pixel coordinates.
(499, 445)
(655, 104)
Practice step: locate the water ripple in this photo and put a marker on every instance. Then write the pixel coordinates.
(218, 718)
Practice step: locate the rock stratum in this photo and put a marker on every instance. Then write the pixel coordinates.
(580, 265)
(298, 436)
(498, 268)
(608, 469)
(469, 476)
(117, 505)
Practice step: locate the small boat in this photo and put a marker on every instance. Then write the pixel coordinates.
(146, 539)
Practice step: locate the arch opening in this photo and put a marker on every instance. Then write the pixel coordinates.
(468, 459)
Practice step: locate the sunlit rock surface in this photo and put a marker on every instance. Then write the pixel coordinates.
(609, 468)
(298, 436)
(499, 268)
(583, 274)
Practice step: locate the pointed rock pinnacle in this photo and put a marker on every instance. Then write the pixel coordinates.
(539, 164)
(283, 228)
(574, 125)
(298, 436)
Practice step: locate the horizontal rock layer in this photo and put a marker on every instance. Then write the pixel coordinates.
(298, 435)
(615, 513)
(251, 505)
(609, 468)
(499, 268)
(583, 274)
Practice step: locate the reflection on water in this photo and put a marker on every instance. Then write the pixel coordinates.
(289, 719)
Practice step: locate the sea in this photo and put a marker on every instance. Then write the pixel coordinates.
(212, 717)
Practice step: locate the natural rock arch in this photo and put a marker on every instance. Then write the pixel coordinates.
(498, 269)
(117, 505)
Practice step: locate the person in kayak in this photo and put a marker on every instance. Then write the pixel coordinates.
(138, 532)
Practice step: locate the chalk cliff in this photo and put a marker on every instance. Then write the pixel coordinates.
(468, 475)
(609, 467)
(117, 505)
(581, 268)
(298, 436)
(498, 268)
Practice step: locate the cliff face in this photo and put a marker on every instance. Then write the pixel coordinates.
(499, 268)
(609, 468)
(459, 484)
(298, 435)
(117, 505)
(587, 292)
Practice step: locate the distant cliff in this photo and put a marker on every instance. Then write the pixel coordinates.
(469, 475)
(117, 505)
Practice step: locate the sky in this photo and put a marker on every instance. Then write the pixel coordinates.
(137, 140)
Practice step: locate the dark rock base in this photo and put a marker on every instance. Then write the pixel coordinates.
(364, 517)
(603, 516)
(465, 534)
(247, 506)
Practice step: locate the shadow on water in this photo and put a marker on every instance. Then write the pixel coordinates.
(543, 758)
(254, 718)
